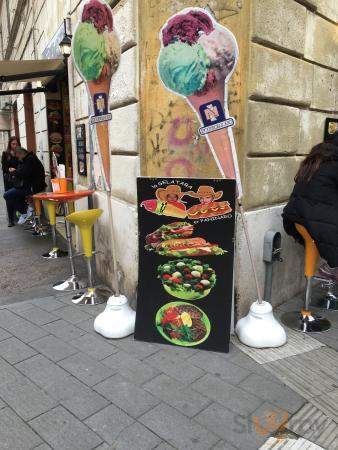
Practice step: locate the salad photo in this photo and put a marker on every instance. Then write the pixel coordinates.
(182, 324)
(187, 279)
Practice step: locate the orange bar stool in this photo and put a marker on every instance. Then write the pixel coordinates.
(85, 221)
(305, 320)
(55, 252)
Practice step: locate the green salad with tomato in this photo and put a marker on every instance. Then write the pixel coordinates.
(187, 279)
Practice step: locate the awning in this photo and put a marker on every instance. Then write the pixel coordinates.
(31, 70)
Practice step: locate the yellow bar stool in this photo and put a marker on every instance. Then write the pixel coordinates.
(85, 220)
(37, 228)
(305, 320)
(55, 251)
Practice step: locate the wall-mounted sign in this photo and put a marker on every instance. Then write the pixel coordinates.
(52, 50)
(80, 131)
(186, 250)
(331, 127)
(196, 61)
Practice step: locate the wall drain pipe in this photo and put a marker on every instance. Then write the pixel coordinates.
(271, 252)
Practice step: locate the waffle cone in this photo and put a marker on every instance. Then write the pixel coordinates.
(103, 87)
(218, 140)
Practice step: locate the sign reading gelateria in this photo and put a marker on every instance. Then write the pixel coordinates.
(186, 248)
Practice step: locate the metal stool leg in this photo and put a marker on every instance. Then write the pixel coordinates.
(89, 297)
(330, 300)
(72, 283)
(304, 320)
(55, 252)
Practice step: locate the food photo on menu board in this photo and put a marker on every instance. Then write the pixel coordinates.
(186, 251)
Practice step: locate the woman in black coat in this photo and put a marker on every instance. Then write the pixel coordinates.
(9, 161)
(314, 204)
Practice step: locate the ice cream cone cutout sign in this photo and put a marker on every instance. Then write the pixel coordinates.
(196, 60)
(96, 52)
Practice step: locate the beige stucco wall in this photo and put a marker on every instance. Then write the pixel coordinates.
(292, 83)
(289, 86)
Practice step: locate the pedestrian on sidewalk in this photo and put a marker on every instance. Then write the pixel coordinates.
(314, 203)
(29, 179)
(10, 161)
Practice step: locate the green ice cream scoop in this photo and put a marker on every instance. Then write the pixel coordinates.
(183, 68)
(88, 51)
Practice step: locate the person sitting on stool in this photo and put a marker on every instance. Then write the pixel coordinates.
(29, 179)
(314, 204)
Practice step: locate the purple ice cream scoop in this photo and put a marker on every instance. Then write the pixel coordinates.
(187, 27)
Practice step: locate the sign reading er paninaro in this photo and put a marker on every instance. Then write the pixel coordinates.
(186, 253)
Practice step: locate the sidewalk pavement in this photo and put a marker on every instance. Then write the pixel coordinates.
(62, 386)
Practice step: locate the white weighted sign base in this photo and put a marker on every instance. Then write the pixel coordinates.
(259, 328)
(117, 320)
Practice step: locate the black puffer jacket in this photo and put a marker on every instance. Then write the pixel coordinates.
(32, 173)
(314, 204)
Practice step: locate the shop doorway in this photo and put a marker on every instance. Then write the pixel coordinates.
(58, 124)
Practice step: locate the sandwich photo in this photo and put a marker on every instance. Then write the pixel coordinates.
(173, 230)
(209, 210)
(174, 240)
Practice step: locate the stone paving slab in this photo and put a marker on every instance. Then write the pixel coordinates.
(4, 334)
(14, 432)
(220, 366)
(282, 396)
(14, 351)
(181, 397)
(226, 394)
(64, 330)
(127, 396)
(54, 348)
(310, 374)
(27, 400)
(36, 315)
(131, 368)
(86, 369)
(62, 431)
(109, 422)
(136, 437)
(43, 372)
(76, 397)
(19, 327)
(233, 427)
(175, 367)
(95, 346)
(177, 429)
(315, 426)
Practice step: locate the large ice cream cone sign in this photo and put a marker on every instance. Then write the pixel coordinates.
(196, 60)
(96, 52)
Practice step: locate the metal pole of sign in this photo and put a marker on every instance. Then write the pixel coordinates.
(91, 157)
(239, 197)
(106, 185)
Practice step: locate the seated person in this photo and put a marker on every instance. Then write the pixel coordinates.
(29, 179)
(314, 204)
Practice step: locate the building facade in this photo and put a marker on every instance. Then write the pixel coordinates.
(284, 88)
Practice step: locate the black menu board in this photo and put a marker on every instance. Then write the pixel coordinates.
(186, 254)
(81, 149)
